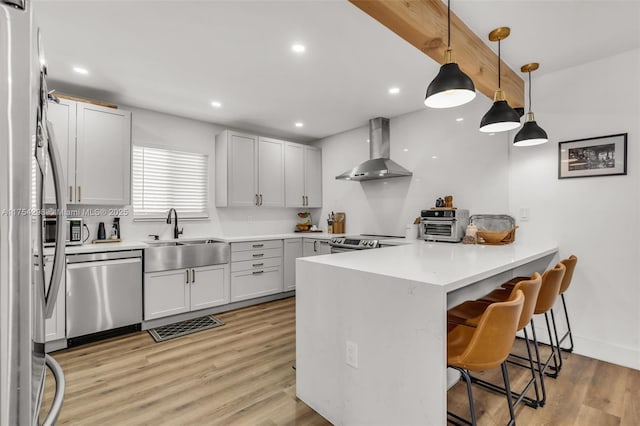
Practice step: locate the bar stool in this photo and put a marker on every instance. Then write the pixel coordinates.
(485, 346)
(570, 264)
(469, 313)
(551, 280)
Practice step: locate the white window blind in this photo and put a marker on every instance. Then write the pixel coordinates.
(163, 179)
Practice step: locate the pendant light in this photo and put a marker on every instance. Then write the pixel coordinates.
(530, 134)
(500, 117)
(451, 87)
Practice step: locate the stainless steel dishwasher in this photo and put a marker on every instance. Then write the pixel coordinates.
(104, 291)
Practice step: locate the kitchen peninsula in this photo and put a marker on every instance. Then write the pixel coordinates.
(371, 325)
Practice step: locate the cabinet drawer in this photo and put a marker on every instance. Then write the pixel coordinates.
(257, 264)
(251, 284)
(240, 256)
(256, 245)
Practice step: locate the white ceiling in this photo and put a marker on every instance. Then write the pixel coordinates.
(177, 57)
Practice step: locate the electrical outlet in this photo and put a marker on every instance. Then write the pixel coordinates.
(524, 214)
(352, 354)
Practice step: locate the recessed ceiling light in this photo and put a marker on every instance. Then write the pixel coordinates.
(81, 70)
(367, 140)
(460, 119)
(394, 90)
(406, 150)
(299, 124)
(491, 134)
(435, 157)
(298, 48)
(216, 104)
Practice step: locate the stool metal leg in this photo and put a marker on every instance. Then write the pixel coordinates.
(542, 401)
(555, 332)
(556, 364)
(467, 379)
(568, 333)
(507, 386)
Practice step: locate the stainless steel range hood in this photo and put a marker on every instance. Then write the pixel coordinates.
(379, 166)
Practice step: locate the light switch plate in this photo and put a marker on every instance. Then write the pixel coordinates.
(524, 214)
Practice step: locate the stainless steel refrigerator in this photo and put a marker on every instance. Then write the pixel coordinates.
(27, 154)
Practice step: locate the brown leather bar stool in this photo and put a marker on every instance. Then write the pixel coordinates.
(485, 347)
(549, 290)
(470, 312)
(570, 264)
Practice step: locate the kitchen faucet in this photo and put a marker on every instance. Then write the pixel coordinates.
(176, 231)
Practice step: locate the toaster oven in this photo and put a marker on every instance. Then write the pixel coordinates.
(73, 231)
(447, 225)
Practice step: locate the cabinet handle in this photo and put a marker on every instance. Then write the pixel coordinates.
(315, 247)
(258, 255)
(187, 271)
(257, 272)
(255, 265)
(79, 196)
(70, 193)
(257, 245)
(260, 199)
(257, 200)
(193, 276)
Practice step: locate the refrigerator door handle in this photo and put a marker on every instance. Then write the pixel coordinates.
(59, 259)
(58, 399)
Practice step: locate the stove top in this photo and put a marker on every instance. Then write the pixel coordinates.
(360, 242)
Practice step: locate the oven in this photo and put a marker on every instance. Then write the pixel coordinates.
(447, 225)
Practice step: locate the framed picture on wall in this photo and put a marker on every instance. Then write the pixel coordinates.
(600, 156)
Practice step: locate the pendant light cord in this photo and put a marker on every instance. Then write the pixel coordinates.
(449, 24)
(529, 91)
(499, 68)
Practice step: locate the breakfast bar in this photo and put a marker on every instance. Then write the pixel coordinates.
(371, 325)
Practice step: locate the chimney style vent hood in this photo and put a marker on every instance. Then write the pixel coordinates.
(379, 166)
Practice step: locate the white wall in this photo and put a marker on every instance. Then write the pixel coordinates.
(469, 165)
(594, 218)
(164, 130)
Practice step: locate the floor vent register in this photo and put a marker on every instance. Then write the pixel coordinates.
(182, 328)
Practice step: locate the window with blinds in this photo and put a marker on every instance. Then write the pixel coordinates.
(162, 179)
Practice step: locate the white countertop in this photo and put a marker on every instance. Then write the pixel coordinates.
(132, 245)
(448, 265)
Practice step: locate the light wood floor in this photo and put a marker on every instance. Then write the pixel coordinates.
(241, 374)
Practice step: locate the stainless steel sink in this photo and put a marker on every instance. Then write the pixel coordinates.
(164, 243)
(168, 255)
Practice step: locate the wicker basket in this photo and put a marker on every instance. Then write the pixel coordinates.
(497, 237)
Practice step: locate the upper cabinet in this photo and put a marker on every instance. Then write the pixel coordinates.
(303, 175)
(258, 171)
(95, 146)
(249, 170)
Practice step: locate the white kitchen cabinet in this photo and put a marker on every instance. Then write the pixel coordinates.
(249, 170)
(95, 148)
(103, 155)
(183, 290)
(292, 251)
(166, 293)
(63, 118)
(313, 176)
(209, 286)
(55, 327)
(303, 175)
(256, 269)
(315, 247)
(270, 172)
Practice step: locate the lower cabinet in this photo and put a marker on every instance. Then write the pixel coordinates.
(292, 251)
(183, 290)
(256, 269)
(315, 247)
(56, 326)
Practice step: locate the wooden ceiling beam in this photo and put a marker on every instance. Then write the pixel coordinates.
(423, 23)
